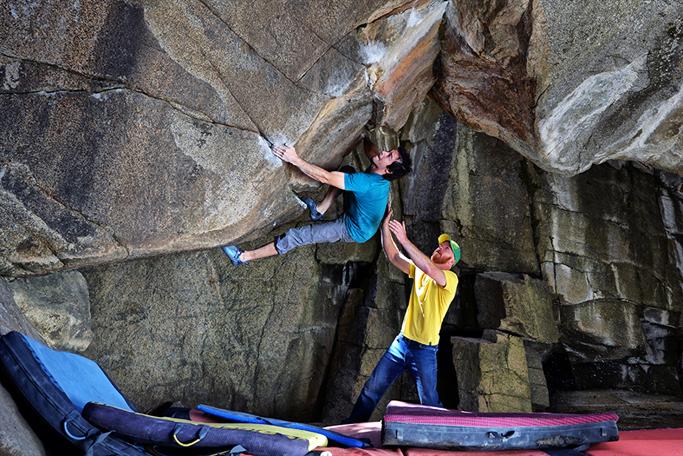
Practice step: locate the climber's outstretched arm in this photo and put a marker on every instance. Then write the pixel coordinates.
(288, 154)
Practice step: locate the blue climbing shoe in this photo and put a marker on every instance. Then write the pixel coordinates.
(312, 208)
(233, 252)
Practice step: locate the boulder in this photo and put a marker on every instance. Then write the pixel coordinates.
(135, 129)
(495, 232)
(58, 307)
(159, 119)
(602, 329)
(492, 372)
(521, 305)
(195, 329)
(568, 85)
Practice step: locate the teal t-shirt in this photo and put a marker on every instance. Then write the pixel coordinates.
(366, 200)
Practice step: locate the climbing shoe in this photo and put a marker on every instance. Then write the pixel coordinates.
(233, 252)
(312, 208)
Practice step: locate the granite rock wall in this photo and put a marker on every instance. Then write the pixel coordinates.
(159, 117)
(568, 84)
(136, 138)
(585, 270)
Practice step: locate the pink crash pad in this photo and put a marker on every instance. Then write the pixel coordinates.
(655, 442)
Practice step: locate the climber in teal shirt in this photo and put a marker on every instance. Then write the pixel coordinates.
(365, 199)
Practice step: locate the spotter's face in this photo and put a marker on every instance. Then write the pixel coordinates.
(443, 256)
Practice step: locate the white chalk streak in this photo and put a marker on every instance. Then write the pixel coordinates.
(653, 118)
(577, 112)
(11, 76)
(268, 154)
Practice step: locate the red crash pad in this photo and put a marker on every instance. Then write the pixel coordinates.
(654, 442)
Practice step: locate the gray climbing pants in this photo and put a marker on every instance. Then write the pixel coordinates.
(317, 233)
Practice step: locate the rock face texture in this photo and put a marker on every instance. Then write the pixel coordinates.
(16, 436)
(483, 77)
(568, 84)
(11, 316)
(603, 260)
(159, 117)
(545, 136)
(639, 410)
(496, 373)
(401, 50)
(520, 305)
(57, 306)
(620, 283)
(192, 329)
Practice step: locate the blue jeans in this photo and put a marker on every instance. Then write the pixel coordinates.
(403, 354)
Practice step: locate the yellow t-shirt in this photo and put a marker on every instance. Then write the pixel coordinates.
(427, 306)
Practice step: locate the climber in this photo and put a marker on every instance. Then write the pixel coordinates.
(415, 347)
(366, 195)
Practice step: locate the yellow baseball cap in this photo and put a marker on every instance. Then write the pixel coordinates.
(454, 245)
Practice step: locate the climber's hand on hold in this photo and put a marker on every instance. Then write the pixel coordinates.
(286, 153)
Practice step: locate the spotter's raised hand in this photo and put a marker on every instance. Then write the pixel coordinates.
(399, 230)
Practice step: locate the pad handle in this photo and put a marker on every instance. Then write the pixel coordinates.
(65, 427)
(203, 431)
(74, 420)
(494, 435)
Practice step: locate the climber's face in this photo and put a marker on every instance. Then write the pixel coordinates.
(386, 158)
